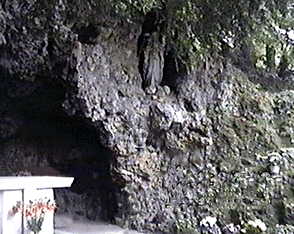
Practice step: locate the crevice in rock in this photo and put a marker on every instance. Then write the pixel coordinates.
(170, 70)
(88, 34)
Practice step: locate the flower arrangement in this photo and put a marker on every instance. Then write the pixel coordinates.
(34, 212)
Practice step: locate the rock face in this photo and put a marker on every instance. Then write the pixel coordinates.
(218, 142)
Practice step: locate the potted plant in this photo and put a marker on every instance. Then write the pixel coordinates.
(34, 212)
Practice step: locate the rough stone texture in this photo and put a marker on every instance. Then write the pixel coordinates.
(71, 99)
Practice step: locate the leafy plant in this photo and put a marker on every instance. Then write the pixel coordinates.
(201, 28)
(34, 212)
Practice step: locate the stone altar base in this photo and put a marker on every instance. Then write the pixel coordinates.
(24, 189)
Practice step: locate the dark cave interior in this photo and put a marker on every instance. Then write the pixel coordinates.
(72, 145)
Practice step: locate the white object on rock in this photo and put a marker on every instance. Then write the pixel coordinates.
(275, 169)
(208, 221)
(208, 225)
(258, 224)
(231, 228)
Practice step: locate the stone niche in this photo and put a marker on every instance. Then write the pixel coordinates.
(25, 189)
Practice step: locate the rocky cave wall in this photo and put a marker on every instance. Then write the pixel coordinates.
(207, 145)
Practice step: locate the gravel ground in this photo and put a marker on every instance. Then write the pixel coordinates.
(65, 224)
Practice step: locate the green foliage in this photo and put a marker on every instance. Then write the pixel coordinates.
(281, 229)
(183, 228)
(132, 7)
(253, 230)
(35, 224)
(267, 30)
(200, 28)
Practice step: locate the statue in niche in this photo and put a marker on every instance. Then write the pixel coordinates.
(151, 56)
(151, 53)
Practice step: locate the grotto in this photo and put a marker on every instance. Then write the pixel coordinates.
(172, 116)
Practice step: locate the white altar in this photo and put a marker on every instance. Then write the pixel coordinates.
(25, 189)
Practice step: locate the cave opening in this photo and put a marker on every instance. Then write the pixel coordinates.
(76, 151)
(83, 157)
(51, 143)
